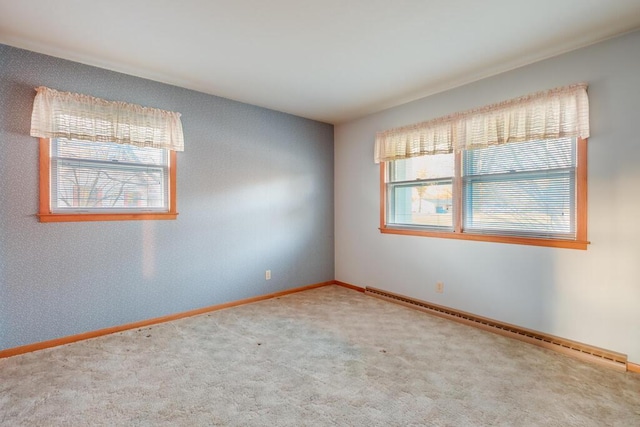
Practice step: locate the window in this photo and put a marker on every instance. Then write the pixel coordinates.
(521, 189)
(84, 181)
(515, 172)
(529, 192)
(420, 192)
(103, 160)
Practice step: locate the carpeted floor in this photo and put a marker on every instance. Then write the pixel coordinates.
(324, 357)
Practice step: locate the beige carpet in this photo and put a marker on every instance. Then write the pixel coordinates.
(325, 357)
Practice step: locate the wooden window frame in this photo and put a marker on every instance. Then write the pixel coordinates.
(580, 242)
(46, 215)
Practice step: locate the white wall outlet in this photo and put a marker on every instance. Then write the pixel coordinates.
(267, 275)
(439, 287)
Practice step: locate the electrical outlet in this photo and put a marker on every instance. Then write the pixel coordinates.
(439, 287)
(267, 275)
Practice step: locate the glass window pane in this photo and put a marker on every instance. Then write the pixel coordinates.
(427, 204)
(107, 177)
(521, 157)
(104, 188)
(101, 151)
(539, 206)
(524, 188)
(424, 167)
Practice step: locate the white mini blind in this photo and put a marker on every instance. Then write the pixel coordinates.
(81, 117)
(556, 113)
(522, 189)
(106, 177)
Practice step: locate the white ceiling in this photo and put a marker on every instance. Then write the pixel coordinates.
(329, 60)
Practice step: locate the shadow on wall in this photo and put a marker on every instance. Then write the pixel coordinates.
(21, 97)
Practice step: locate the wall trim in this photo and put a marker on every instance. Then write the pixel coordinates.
(633, 367)
(148, 322)
(28, 348)
(349, 286)
(567, 347)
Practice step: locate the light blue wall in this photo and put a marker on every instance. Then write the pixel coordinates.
(255, 192)
(591, 296)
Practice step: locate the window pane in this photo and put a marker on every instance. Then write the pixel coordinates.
(108, 188)
(107, 177)
(101, 151)
(424, 167)
(521, 157)
(426, 204)
(542, 206)
(524, 188)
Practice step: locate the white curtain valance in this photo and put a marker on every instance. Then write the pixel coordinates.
(556, 113)
(82, 117)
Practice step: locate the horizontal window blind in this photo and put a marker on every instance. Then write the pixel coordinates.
(106, 177)
(523, 189)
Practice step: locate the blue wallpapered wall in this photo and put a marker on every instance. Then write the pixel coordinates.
(255, 192)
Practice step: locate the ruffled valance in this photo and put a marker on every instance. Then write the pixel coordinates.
(82, 117)
(556, 113)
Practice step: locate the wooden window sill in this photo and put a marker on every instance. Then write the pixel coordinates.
(554, 243)
(107, 217)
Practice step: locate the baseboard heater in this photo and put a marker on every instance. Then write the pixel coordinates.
(570, 348)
